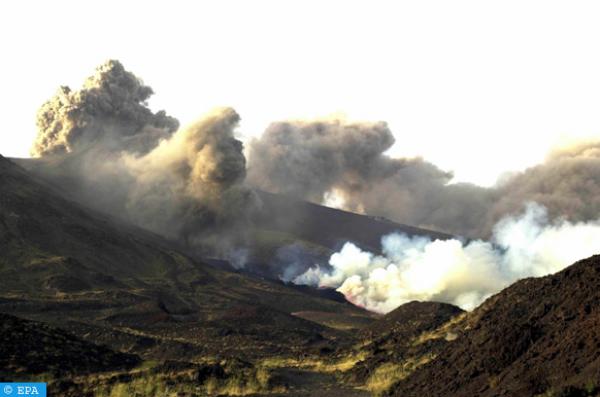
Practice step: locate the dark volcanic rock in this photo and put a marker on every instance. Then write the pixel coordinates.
(29, 347)
(322, 292)
(412, 319)
(330, 227)
(540, 335)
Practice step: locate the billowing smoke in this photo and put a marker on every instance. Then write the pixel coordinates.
(191, 181)
(115, 154)
(308, 159)
(453, 271)
(344, 164)
(567, 184)
(111, 106)
(103, 144)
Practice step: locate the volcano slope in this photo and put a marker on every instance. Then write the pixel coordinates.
(286, 233)
(330, 227)
(538, 337)
(32, 348)
(111, 283)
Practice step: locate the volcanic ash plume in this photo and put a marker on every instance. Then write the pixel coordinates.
(308, 159)
(344, 164)
(334, 161)
(567, 183)
(108, 148)
(453, 271)
(103, 143)
(110, 106)
(197, 173)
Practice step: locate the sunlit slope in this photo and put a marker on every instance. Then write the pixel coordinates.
(538, 337)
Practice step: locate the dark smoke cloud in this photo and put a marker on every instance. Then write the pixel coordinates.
(311, 160)
(105, 145)
(111, 104)
(308, 159)
(201, 168)
(323, 159)
(567, 183)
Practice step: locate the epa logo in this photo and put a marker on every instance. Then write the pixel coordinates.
(23, 389)
(27, 390)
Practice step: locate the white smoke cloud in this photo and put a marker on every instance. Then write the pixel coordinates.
(453, 271)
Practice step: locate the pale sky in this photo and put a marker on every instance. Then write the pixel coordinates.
(477, 87)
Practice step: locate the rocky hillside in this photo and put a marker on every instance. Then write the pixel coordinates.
(398, 343)
(540, 336)
(33, 348)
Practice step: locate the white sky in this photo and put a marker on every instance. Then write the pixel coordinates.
(478, 87)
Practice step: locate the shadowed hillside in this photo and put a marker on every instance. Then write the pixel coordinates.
(32, 348)
(330, 227)
(133, 290)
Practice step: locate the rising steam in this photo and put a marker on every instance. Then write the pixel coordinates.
(454, 271)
